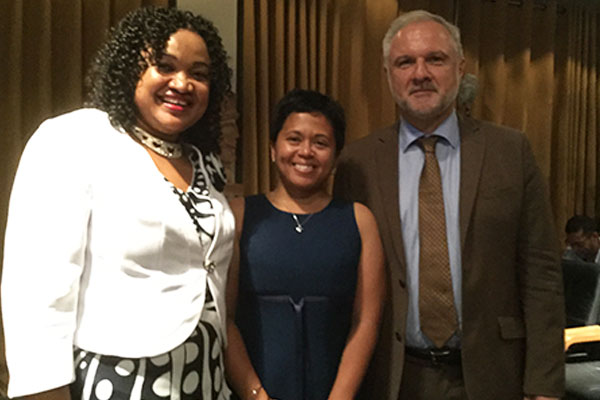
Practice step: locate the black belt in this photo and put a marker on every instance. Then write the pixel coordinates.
(444, 355)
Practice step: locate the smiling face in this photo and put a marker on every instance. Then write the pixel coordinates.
(304, 152)
(424, 70)
(173, 95)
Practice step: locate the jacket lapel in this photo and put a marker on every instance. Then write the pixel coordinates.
(471, 160)
(386, 161)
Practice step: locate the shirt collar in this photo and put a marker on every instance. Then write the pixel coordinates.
(447, 130)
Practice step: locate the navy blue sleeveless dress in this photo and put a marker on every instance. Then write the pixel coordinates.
(296, 294)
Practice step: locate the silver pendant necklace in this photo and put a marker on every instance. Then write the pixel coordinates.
(158, 145)
(300, 226)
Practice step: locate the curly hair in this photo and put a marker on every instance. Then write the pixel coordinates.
(138, 41)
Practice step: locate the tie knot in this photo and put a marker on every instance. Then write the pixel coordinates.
(428, 143)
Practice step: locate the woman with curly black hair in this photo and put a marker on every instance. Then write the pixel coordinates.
(119, 236)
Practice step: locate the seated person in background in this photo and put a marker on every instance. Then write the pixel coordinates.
(305, 292)
(583, 241)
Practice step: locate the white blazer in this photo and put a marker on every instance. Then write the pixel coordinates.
(100, 253)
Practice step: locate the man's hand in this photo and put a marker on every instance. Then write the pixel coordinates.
(539, 398)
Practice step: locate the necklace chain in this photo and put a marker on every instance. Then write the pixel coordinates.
(300, 226)
(158, 145)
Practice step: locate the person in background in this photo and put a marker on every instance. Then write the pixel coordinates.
(583, 241)
(476, 308)
(119, 237)
(306, 287)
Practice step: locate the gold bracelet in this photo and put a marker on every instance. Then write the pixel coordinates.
(254, 392)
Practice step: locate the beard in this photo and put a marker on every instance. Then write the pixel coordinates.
(430, 113)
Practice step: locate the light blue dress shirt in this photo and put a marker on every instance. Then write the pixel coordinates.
(410, 165)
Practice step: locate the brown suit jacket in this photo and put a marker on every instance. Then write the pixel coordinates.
(512, 307)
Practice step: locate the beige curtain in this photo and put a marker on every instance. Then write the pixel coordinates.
(46, 45)
(537, 64)
(575, 179)
(536, 61)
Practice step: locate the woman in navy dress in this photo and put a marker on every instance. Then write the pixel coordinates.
(306, 284)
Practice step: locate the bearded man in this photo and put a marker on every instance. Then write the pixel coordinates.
(475, 304)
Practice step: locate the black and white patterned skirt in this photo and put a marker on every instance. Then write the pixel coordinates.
(193, 370)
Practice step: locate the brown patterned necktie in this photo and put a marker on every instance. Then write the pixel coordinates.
(436, 298)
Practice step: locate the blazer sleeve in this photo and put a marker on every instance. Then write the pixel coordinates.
(540, 280)
(43, 259)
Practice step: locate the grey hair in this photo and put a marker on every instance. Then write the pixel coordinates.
(467, 90)
(419, 16)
